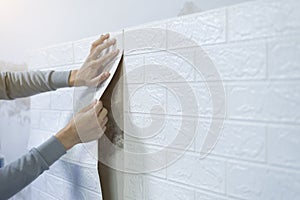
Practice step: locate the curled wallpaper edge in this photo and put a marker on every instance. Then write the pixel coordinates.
(112, 70)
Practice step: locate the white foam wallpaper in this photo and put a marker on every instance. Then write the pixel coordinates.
(255, 49)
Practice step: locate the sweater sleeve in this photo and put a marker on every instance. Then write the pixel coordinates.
(23, 84)
(17, 175)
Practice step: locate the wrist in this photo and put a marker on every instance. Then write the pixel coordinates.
(72, 77)
(68, 137)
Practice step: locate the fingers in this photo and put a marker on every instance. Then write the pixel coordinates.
(104, 129)
(99, 79)
(101, 47)
(99, 41)
(98, 107)
(105, 120)
(102, 115)
(107, 58)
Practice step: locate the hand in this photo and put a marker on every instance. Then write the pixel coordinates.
(87, 125)
(91, 73)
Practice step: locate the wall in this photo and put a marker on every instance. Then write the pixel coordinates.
(22, 22)
(255, 47)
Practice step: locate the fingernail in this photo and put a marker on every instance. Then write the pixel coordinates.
(107, 74)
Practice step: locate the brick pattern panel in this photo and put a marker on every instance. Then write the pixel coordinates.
(254, 48)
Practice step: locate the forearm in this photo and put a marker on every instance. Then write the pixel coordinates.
(17, 175)
(23, 84)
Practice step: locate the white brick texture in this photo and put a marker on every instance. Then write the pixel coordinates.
(203, 28)
(206, 174)
(252, 49)
(259, 182)
(257, 101)
(259, 19)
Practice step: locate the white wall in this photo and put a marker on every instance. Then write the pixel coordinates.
(34, 24)
(255, 48)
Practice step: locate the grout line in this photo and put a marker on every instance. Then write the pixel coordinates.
(249, 121)
(226, 178)
(39, 190)
(144, 69)
(227, 25)
(186, 185)
(239, 81)
(264, 165)
(266, 144)
(73, 53)
(224, 158)
(267, 61)
(167, 35)
(72, 183)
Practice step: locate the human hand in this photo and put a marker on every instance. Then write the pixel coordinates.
(91, 72)
(85, 126)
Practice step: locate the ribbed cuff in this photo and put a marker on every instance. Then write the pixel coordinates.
(60, 79)
(51, 150)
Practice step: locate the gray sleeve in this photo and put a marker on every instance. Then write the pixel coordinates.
(17, 175)
(23, 84)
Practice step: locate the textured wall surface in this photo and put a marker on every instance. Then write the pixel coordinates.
(256, 49)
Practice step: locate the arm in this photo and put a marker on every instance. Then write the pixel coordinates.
(17, 175)
(23, 84)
